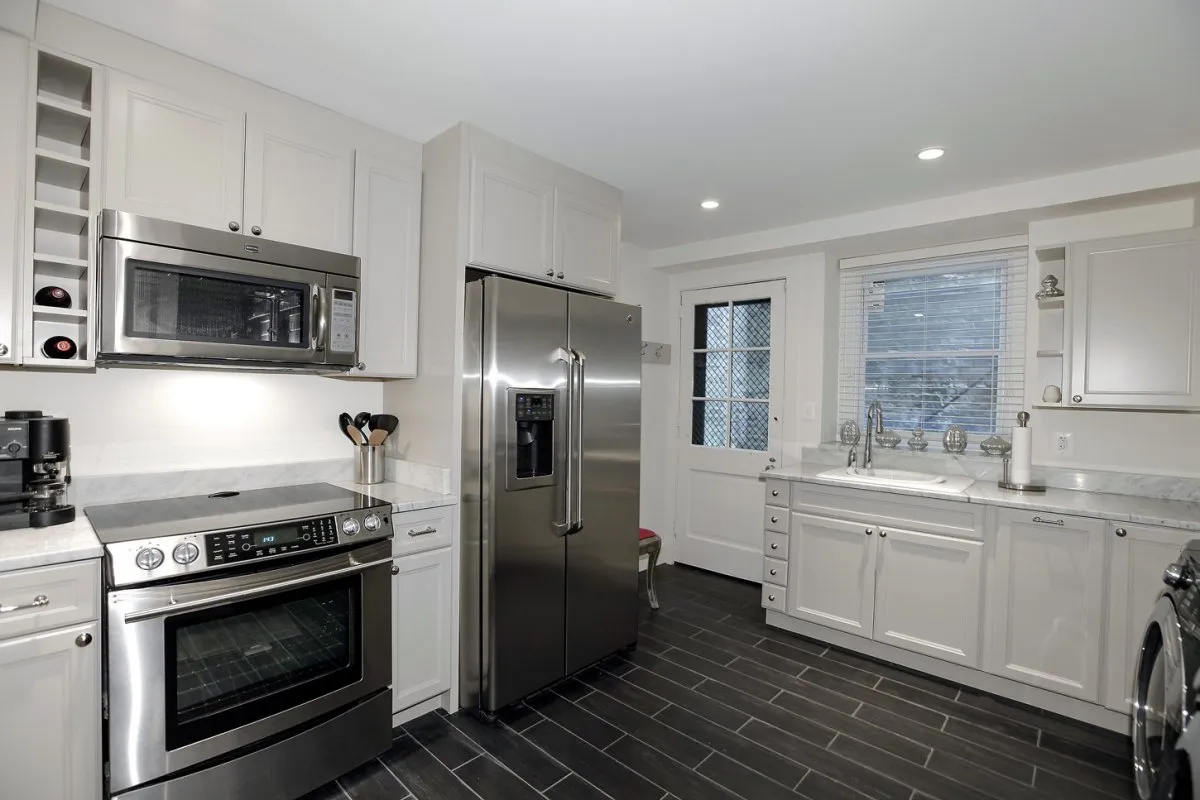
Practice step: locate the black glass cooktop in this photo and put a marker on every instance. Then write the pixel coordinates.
(145, 519)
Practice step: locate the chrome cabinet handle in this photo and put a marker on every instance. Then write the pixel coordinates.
(774, 519)
(883, 534)
(774, 493)
(38, 602)
(774, 572)
(395, 570)
(83, 640)
(868, 531)
(257, 231)
(1121, 532)
(1049, 521)
(774, 545)
(771, 597)
(423, 531)
(235, 227)
(1077, 398)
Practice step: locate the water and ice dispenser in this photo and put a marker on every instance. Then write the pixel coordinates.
(533, 414)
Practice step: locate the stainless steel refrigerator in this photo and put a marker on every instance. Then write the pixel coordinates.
(551, 442)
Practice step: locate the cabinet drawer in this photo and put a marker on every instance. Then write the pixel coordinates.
(775, 545)
(776, 519)
(65, 594)
(777, 492)
(774, 597)
(418, 531)
(945, 517)
(774, 571)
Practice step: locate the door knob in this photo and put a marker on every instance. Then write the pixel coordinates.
(257, 231)
(233, 226)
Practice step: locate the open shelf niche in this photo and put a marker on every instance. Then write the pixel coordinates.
(1051, 327)
(60, 236)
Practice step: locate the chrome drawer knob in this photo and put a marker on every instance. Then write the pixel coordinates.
(774, 572)
(1121, 532)
(883, 534)
(83, 640)
(774, 519)
(774, 546)
(771, 597)
(257, 231)
(1077, 398)
(235, 227)
(549, 273)
(774, 493)
(868, 531)
(395, 570)
(3, 349)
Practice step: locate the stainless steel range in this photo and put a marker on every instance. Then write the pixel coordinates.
(249, 641)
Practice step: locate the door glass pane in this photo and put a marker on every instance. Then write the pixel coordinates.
(752, 374)
(203, 306)
(710, 423)
(711, 375)
(712, 326)
(752, 323)
(748, 427)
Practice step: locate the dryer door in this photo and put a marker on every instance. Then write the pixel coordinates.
(1160, 697)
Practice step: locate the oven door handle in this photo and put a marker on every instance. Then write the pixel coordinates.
(247, 594)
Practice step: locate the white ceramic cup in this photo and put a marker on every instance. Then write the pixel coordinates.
(1052, 394)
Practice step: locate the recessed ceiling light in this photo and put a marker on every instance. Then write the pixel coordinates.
(709, 205)
(930, 153)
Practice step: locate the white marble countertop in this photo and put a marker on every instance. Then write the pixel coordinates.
(24, 548)
(1117, 507)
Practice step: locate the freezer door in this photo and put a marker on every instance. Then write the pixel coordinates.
(602, 552)
(514, 506)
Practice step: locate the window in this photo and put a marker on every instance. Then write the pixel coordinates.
(731, 374)
(936, 342)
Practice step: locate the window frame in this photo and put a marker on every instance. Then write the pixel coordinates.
(728, 399)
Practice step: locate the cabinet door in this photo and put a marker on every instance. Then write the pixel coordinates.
(50, 692)
(1045, 602)
(299, 187)
(171, 155)
(1135, 321)
(14, 60)
(512, 216)
(942, 623)
(1139, 555)
(587, 237)
(421, 628)
(831, 573)
(387, 237)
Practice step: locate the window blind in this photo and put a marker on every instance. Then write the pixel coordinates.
(936, 342)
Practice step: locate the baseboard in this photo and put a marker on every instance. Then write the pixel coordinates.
(420, 709)
(993, 684)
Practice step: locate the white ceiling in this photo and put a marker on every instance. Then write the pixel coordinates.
(785, 110)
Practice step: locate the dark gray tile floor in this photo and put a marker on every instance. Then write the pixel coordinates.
(714, 704)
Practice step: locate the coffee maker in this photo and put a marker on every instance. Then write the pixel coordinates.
(35, 470)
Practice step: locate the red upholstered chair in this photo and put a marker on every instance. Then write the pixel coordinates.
(650, 545)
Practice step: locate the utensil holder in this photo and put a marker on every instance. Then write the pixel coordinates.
(368, 463)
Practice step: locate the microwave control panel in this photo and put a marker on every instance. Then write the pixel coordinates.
(343, 320)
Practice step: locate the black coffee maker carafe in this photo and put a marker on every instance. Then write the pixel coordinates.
(35, 470)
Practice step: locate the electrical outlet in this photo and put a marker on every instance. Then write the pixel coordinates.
(1063, 444)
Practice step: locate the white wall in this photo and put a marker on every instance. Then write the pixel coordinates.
(156, 420)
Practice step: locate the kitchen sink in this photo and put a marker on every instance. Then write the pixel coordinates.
(897, 478)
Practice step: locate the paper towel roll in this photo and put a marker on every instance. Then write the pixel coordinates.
(1022, 455)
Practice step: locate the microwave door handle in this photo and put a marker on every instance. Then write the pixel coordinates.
(577, 444)
(247, 594)
(320, 310)
(563, 454)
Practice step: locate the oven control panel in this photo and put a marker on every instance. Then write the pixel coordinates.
(147, 560)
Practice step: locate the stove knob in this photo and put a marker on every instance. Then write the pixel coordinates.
(149, 558)
(350, 526)
(372, 523)
(185, 553)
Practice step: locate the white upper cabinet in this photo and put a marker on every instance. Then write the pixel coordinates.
(587, 238)
(299, 188)
(512, 218)
(387, 237)
(1045, 602)
(945, 623)
(171, 155)
(1134, 310)
(831, 573)
(14, 60)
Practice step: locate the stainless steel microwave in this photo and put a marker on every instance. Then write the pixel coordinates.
(179, 294)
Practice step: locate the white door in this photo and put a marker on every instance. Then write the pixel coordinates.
(512, 219)
(50, 737)
(421, 628)
(1139, 555)
(1045, 602)
(387, 237)
(14, 57)
(587, 234)
(1135, 321)
(944, 623)
(831, 572)
(299, 187)
(171, 155)
(731, 401)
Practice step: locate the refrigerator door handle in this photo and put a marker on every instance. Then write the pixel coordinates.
(563, 454)
(576, 470)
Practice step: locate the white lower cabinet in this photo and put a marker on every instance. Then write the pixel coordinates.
(50, 735)
(1138, 556)
(422, 625)
(1045, 601)
(831, 573)
(929, 594)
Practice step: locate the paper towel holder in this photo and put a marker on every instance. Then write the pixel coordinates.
(1006, 483)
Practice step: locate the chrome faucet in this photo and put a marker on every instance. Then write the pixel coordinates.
(876, 410)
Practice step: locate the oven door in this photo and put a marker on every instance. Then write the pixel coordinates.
(165, 303)
(198, 670)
